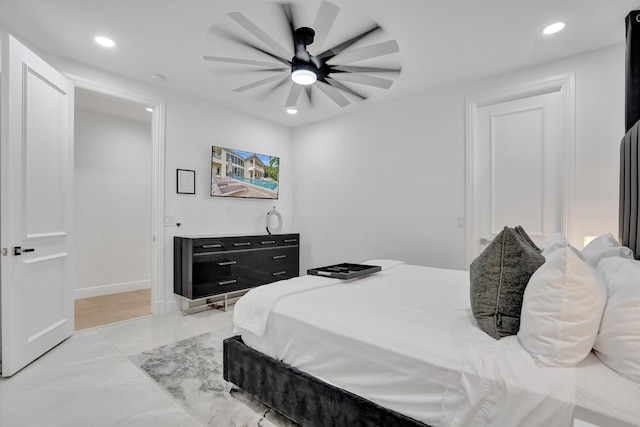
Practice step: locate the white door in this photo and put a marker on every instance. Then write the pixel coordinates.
(521, 175)
(36, 190)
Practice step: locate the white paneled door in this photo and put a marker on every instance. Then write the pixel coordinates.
(520, 173)
(36, 189)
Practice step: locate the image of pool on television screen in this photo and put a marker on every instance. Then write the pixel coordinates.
(237, 173)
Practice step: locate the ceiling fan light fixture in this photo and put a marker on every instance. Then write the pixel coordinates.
(303, 74)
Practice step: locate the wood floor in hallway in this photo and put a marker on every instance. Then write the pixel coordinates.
(105, 309)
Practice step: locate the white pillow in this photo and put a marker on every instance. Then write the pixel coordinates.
(599, 244)
(552, 243)
(618, 342)
(617, 251)
(561, 310)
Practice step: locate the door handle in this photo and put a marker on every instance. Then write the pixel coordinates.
(484, 241)
(17, 250)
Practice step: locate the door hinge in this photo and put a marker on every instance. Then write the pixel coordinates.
(5, 252)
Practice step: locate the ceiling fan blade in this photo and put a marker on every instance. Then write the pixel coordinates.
(285, 80)
(299, 50)
(339, 85)
(332, 93)
(259, 34)
(288, 69)
(232, 37)
(240, 61)
(324, 21)
(330, 53)
(294, 94)
(259, 83)
(379, 49)
(287, 11)
(353, 69)
(363, 79)
(309, 91)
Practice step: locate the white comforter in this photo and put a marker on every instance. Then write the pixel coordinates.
(405, 339)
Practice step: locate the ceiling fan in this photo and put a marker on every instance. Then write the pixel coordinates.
(306, 71)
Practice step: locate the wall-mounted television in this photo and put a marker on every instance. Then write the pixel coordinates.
(237, 173)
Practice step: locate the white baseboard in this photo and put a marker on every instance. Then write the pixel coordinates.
(115, 288)
(171, 306)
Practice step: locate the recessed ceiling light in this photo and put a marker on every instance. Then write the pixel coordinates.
(149, 109)
(292, 111)
(104, 41)
(157, 77)
(554, 28)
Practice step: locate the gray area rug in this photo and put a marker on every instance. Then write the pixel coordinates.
(191, 372)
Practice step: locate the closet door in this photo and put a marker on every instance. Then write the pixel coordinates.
(520, 162)
(520, 179)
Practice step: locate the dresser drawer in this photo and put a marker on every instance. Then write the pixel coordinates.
(289, 240)
(223, 244)
(207, 289)
(277, 258)
(222, 272)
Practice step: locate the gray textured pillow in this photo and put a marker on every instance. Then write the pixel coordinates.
(499, 277)
(526, 237)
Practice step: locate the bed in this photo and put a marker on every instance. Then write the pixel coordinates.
(428, 373)
(415, 356)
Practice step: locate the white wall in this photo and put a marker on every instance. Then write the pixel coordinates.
(112, 204)
(389, 181)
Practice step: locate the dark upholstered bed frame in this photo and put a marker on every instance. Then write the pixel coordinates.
(629, 221)
(299, 396)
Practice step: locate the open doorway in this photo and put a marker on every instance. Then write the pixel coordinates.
(113, 209)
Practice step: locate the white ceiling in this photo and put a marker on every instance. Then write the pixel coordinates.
(441, 41)
(90, 101)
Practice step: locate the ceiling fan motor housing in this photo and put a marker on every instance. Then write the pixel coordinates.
(304, 36)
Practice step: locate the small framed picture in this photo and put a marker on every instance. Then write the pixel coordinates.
(186, 181)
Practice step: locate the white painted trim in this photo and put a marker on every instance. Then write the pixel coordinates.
(158, 293)
(172, 306)
(158, 136)
(114, 288)
(565, 84)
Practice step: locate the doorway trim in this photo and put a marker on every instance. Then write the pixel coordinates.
(158, 138)
(565, 84)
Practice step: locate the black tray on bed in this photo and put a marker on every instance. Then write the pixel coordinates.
(345, 271)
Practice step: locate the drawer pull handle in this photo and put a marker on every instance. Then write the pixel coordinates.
(278, 273)
(268, 242)
(242, 244)
(227, 263)
(290, 240)
(278, 257)
(227, 282)
(211, 246)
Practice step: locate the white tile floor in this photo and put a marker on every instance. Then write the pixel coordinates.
(88, 380)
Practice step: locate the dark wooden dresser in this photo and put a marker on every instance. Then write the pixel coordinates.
(219, 268)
